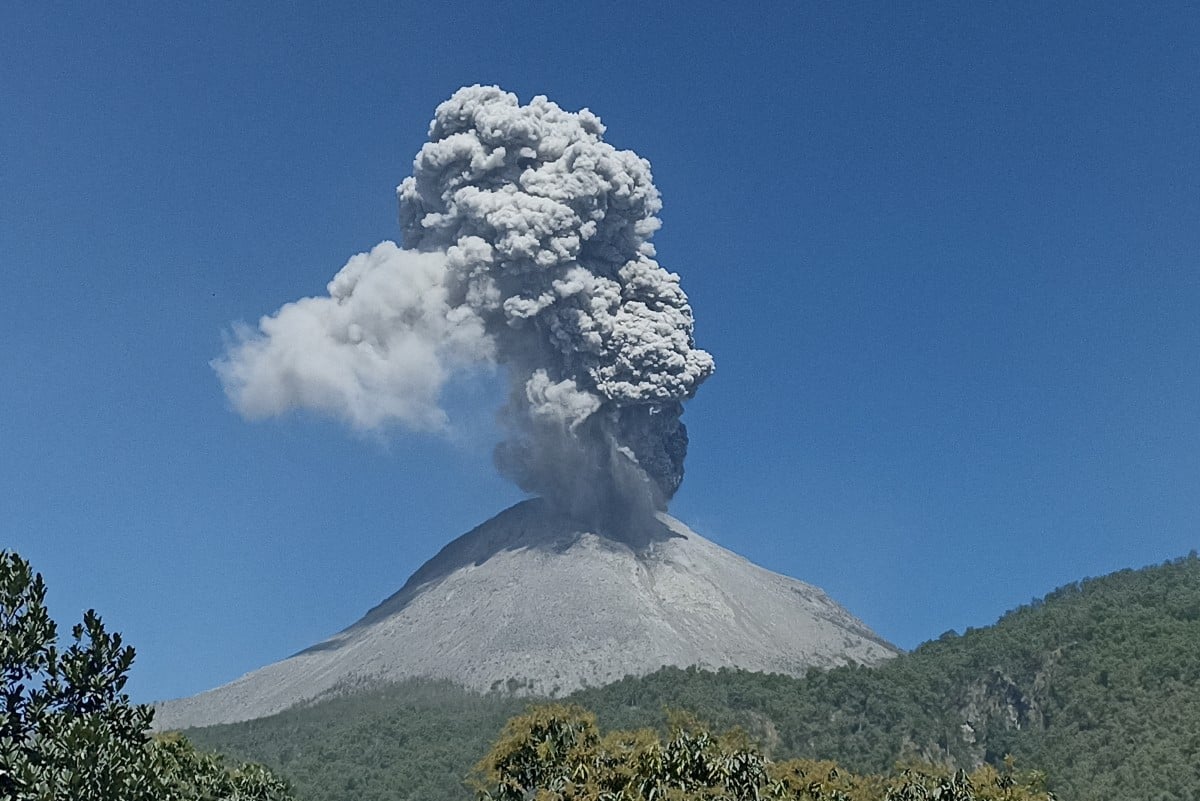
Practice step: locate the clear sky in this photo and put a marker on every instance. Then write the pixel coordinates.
(946, 260)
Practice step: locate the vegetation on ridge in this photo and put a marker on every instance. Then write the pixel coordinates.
(1098, 684)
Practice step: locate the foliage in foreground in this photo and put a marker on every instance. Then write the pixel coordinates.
(69, 733)
(557, 753)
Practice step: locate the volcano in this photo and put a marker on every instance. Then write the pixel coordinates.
(534, 602)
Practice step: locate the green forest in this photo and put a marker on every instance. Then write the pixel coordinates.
(1096, 687)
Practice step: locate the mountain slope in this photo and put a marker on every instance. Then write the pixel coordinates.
(1098, 685)
(531, 600)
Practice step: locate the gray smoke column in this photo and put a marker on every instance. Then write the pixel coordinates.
(526, 244)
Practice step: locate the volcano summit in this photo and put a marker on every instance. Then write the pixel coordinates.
(534, 597)
(526, 249)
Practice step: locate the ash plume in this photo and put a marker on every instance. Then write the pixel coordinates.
(526, 243)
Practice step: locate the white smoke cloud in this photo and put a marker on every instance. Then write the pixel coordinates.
(376, 350)
(526, 243)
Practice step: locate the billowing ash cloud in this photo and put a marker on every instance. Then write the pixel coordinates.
(527, 244)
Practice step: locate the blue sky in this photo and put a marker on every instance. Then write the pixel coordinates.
(945, 258)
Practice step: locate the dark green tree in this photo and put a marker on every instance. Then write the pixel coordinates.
(67, 729)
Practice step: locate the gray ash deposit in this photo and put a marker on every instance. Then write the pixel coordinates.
(535, 597)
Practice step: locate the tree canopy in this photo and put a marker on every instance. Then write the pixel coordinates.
(558, 753)
(68, 732)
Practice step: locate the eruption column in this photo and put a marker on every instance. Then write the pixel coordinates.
(526, 244)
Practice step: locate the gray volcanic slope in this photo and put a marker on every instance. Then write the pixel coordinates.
(530, 596)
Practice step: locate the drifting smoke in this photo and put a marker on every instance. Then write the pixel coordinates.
(527, 244)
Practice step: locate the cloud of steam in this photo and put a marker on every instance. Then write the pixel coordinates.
(377, 349)
(527, 244)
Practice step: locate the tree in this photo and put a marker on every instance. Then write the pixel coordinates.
(67, 729)
(190, 775)
(557, 753)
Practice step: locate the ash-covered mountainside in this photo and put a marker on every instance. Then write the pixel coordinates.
(533, 597)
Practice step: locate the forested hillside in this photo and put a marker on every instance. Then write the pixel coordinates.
(1098, 685)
